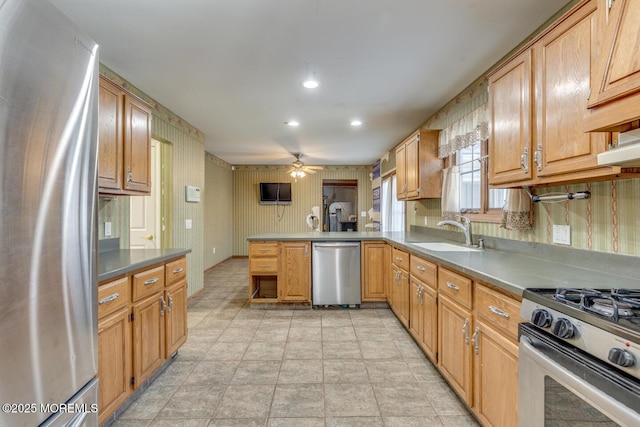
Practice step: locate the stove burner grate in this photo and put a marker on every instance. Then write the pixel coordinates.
(614, 304)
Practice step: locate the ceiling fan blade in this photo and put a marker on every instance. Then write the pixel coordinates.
(309, 171)
(315, 167)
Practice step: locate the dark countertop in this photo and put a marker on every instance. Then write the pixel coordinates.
(514, 267)
(119, 262)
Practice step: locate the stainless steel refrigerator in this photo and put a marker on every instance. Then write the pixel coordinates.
(48, 283)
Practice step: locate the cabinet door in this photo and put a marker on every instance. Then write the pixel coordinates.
(148, 344)
(430, 323)
(412, 167)
(294, 277)
(375, 262)
(495, 378)
(137, 145)
(175, 317)
(110, 169)
(114, 361)
(617, 72)
(400, 299)
(416, 310)
(562, 83)
(401, 172)
(510, 111)
(454, 356)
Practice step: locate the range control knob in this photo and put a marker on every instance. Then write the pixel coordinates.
(563, 328)
(621, 357)
(541, 318)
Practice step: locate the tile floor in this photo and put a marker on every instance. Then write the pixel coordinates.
(253, 367)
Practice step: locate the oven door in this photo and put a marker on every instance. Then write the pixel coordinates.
(560, 385)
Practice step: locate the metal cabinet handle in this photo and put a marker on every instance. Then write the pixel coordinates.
(421, 268)
(537, 157)
(495, 310)
(610, 3)
(170, 299)
(453, 286)
(263, 249)
(465, 331)
(129, 174)
(524, 160)
(110, 298)
(398, 258)
(421, 295)
(163, 305)
(398, 276)
(475, 341)
(264, 266)
(178, 270)
(151, 281)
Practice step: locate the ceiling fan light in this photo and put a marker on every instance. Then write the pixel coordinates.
(310, 84)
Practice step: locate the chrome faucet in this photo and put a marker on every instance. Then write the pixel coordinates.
(464, 225)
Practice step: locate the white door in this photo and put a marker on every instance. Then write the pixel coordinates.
(144, 211)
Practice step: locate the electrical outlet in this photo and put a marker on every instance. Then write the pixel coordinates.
(363, 214)
(107, 229)
(425, 220)
(214, 250)
(188, 224)
(562, 235)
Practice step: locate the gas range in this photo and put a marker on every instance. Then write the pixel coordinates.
(602, 323)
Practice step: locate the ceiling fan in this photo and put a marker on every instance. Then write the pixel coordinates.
(299, 170)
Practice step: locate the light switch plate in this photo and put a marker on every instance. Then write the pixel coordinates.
(107, 229)
(188, 224)
(562, 235)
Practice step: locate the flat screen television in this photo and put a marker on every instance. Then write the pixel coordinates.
(275, 193)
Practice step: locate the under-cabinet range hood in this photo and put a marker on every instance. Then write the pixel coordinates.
(626, 154)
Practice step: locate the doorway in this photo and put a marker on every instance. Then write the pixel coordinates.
(144, 211)
(339, 205)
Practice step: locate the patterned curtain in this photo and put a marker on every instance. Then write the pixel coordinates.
(471, 129)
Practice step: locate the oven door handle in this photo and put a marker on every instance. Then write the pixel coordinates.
(602, 401)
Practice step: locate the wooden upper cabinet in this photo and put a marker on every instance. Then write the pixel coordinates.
(510, 117)
(110, 158)
(418, 166)
(124, 142)
(563, 59)
(615, 92)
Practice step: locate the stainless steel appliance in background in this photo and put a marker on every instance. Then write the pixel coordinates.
(48, 279)
(336, 273)
(579, 358)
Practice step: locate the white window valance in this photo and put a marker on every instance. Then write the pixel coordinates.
(465, 132)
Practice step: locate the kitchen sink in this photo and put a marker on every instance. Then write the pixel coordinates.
(445, 247)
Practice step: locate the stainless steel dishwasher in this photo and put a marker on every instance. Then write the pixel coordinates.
(336, 273)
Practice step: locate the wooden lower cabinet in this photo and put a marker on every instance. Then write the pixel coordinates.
(400, 295)
(454, 349)
(495, 377)
(114, 361)
(375, 263)
(294, 275)
(175, 317)
(423, 322)
(148, 337)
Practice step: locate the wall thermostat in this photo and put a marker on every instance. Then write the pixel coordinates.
(192, 194)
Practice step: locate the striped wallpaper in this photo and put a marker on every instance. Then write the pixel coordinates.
(250, 217)
(609, 221)
(218, 208)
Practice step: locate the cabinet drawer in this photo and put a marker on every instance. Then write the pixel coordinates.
(264, 265)
(425, 271)
(113, 296)
(498, 310)
(148, 282)
(400, 258)
(457, 287)
(263, 250)
(176, 270)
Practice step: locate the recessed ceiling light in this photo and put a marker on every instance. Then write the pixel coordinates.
(310, 84)
(292, 123)
(356, 123)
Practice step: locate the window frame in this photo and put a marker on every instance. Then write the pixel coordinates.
(484, 214)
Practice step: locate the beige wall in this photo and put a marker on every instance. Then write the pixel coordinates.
(218, 208)
(250, 217)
